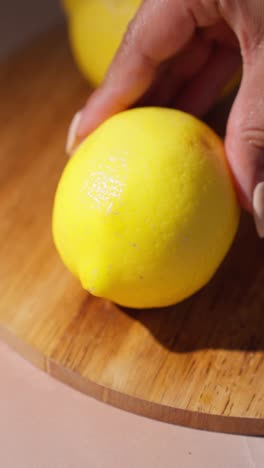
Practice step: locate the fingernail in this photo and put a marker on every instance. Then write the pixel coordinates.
(72, 140)
(258, 208)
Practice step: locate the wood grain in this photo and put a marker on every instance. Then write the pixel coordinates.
(200, 363)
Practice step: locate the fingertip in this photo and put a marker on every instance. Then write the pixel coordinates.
(72, 137)
(258, 208)
(89, 116)
(240, 168)
(101, 105)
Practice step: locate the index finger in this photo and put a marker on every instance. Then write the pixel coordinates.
(159, 30)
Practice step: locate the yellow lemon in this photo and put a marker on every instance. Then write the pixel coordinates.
(96, 28)
(145, 210)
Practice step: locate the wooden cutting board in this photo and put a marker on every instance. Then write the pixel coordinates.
(199, 364)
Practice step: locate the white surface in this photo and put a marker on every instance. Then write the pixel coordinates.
(45, 424)
(21, 20)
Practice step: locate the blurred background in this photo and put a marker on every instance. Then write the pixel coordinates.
(22, 20)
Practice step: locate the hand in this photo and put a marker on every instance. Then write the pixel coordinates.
(180, 54)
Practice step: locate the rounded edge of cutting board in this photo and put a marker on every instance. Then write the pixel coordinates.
(130, 403)
(158, 411)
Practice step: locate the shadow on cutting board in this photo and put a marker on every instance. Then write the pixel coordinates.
(226, 314)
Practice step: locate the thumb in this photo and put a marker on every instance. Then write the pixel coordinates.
(245, 139)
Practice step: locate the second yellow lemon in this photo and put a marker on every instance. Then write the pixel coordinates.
(96, 28)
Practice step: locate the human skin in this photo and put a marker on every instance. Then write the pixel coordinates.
(180, 54)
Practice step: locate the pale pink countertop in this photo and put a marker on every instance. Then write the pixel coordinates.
(44, 424)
